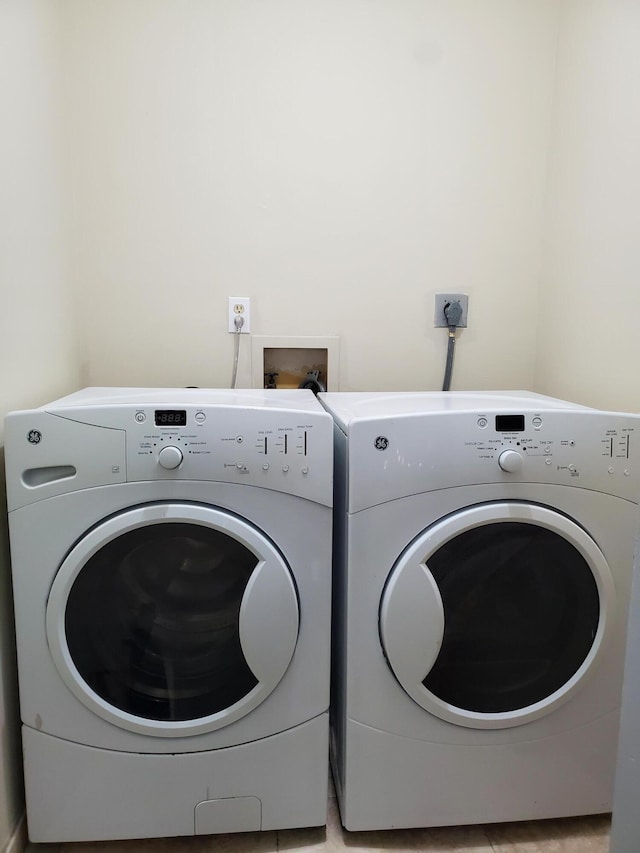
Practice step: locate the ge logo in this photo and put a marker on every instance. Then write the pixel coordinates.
(34, 436)
(381, 443)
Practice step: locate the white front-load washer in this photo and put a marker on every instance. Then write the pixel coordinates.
(483, 554)
(171, 557)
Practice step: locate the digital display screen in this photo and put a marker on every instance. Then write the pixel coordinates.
(171, 417)
(509, 423)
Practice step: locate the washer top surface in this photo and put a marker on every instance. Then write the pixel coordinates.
(245, 398)
(350, 407)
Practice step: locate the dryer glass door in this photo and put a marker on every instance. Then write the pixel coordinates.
(506, 607)
(159, 619)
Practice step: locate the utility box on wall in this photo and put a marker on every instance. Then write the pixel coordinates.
(287, 362)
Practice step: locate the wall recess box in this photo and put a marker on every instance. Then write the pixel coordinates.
(283, 361)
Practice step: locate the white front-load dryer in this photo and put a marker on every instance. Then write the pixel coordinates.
(483, 554)
(171, 557)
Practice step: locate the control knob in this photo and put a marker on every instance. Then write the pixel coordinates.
(510, 461)
(170, 457)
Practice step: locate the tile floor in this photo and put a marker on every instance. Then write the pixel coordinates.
(569, 835)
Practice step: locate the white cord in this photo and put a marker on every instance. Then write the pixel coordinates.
(239, 323)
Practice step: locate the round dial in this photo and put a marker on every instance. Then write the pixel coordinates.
(510, 461)
(170, 457)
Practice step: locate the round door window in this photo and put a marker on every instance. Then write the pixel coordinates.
(496, 615)
(159, 619)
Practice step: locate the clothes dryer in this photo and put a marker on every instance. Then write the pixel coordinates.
(483, 554)
(171, 554)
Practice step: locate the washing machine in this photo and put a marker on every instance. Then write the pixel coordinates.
(171, 558)
(483, 554)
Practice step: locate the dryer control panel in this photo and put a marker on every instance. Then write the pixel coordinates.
(396, 456)
(511, 440)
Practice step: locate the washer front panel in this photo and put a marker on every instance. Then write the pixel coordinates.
(158, 619)
(497, 614)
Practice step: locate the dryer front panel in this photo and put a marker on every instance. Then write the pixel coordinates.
(173, 619)
(496, 614)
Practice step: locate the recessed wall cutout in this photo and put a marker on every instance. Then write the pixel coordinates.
(286, 362)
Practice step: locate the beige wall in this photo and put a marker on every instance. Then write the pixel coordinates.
(589, 326)
(339, 162)
(37, 331)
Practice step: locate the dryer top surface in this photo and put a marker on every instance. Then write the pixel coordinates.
(350, 407)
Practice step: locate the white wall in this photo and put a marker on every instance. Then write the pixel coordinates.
(589, 326)
(339, 162)
(38, 350)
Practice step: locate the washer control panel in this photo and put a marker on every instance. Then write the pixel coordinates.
(279, 449)
(278, 442)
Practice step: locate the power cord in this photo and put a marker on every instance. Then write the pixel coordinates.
(238, 322)
(453, 314)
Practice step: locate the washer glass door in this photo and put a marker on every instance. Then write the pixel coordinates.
(496, 615)
(173, 618)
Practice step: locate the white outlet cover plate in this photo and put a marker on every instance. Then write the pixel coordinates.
(240, 305)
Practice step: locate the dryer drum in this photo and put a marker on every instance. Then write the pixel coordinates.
(152, 621)
(521, 612)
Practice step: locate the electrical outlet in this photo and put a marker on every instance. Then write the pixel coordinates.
(240, 306)
(442, 299)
